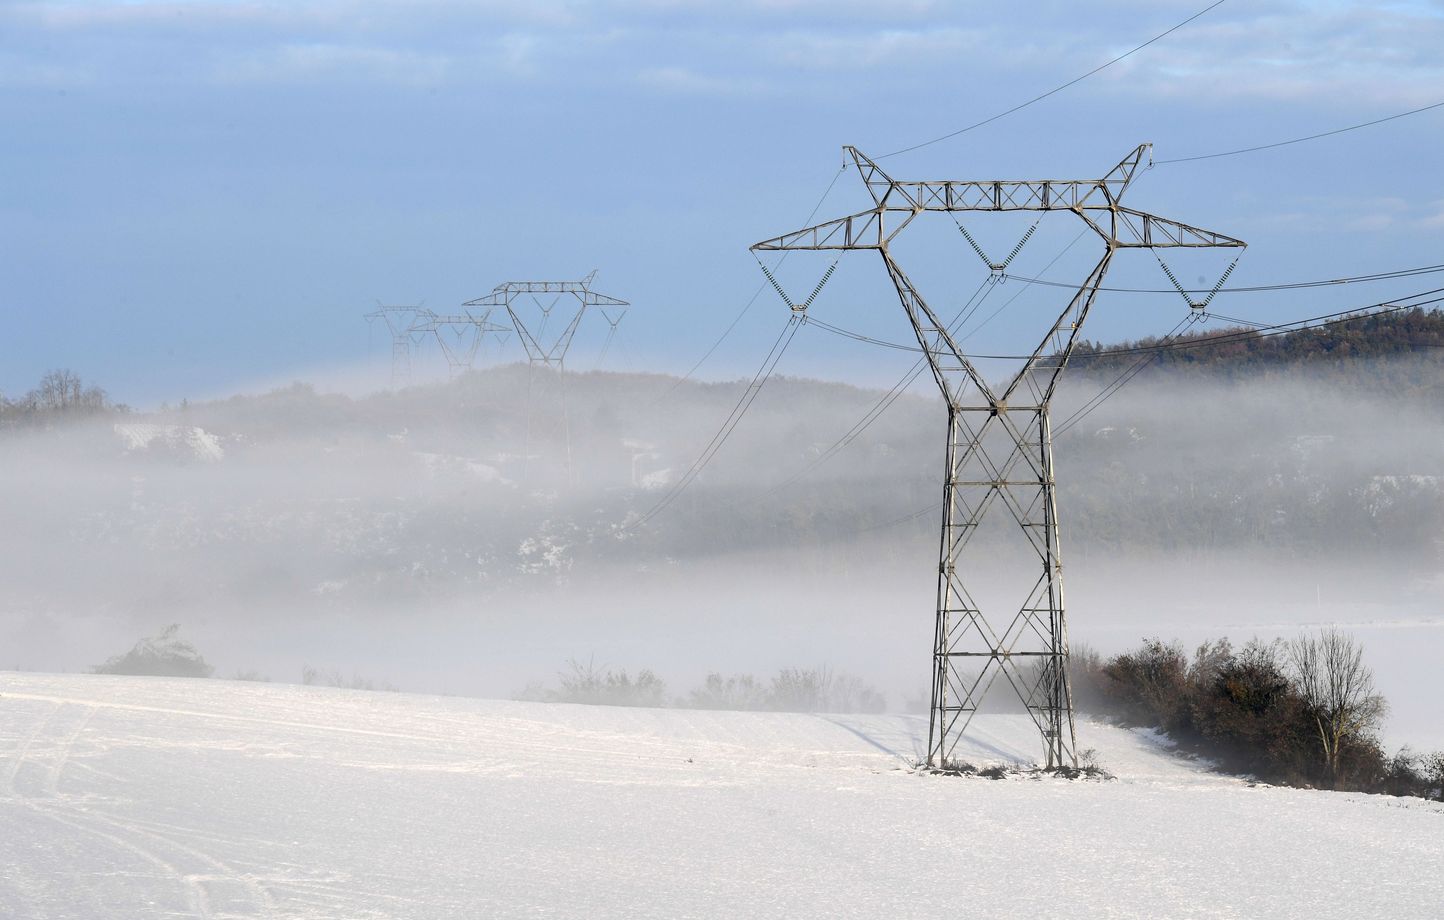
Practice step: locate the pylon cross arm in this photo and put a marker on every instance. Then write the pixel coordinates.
(1127, 228)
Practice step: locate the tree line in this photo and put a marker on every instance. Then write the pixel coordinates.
(1235, 349)
(59, 397)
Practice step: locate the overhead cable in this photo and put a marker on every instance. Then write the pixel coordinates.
(1054, 90)
(1299, 140)
(769, 363)
(1250, 289)
(755, 294)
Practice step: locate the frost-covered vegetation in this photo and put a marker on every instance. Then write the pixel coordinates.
(789, 690)
(61, 396)
(165, 654)
(1302, 713)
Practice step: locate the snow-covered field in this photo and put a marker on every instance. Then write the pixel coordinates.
(141, 797)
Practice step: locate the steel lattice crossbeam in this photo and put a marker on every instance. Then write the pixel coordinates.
(547, 357)
(999, 448)
(537, 351)
(469, 329)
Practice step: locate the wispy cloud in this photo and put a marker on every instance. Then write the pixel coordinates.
(324, 61)
(1362, 54)
(682, 80)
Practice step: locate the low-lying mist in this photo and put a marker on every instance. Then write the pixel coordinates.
(471, 537)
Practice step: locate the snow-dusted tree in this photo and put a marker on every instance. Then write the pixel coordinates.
(1337, 689)
(161, 655)
(1432, 766)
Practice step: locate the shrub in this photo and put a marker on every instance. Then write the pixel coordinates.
(740, 692)
(1146, 687)
(586, 683)
(161, 655)
(1299, 713)
(1244, 705)
(790, 690)
(312, 677)
(1432, 768)
(820, 690)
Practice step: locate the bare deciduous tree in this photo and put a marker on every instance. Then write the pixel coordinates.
(1338, 689)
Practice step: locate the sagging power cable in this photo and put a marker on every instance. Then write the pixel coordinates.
(1057, 89)
(1298, 140)
(769, 364)
(886, 400)
(755, 294)
(970, 307)
(1153, 352)
(1257, 288)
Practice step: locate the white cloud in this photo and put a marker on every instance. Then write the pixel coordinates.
(682, 80)
(1365, 55)
(821, 50)
(1435, 220)
(322, 61)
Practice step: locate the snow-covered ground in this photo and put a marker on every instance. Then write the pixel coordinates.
(140, 797)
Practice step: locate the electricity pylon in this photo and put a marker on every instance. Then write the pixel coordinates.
(539, 350)
(401, 321)
(1014, 468)
(460, 336)
(543, 354)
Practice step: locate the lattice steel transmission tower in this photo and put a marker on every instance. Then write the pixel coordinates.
(547, 356)
(401, 321)
(999, 447)
(539, 350)
(460, 336)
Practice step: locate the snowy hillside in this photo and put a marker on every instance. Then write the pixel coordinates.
(139, 797)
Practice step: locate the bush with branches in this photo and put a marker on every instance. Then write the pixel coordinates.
(165, 654)
(1301, 712)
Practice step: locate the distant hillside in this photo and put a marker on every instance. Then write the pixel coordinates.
(1278, 444)
(1236, 350)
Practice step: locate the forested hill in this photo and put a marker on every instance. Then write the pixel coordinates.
(1235, 350)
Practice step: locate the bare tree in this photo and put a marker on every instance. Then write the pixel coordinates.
(1338, 689)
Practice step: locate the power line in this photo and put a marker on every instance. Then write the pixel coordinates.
(1153, 352)
(965, 313)
(960, 320)
(858, 336)
(1283, 286)
(1054, 90)
(755, 294)
(935, 506)
(769, 363)
(1381, 308)
(1299, 140)
(1323, 321)
(1124, 378)
(887, 399)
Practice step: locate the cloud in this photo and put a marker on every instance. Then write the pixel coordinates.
(1279, 51)
(871, 49)
(1377, 56)
(324, 61)
(684, 81)
(1434, 220)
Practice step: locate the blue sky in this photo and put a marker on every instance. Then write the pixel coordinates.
(201, 197)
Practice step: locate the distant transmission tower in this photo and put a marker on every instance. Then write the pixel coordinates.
(401, 322)
(999, 449)
(547, 356)
(540, 350)
(460, 336)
